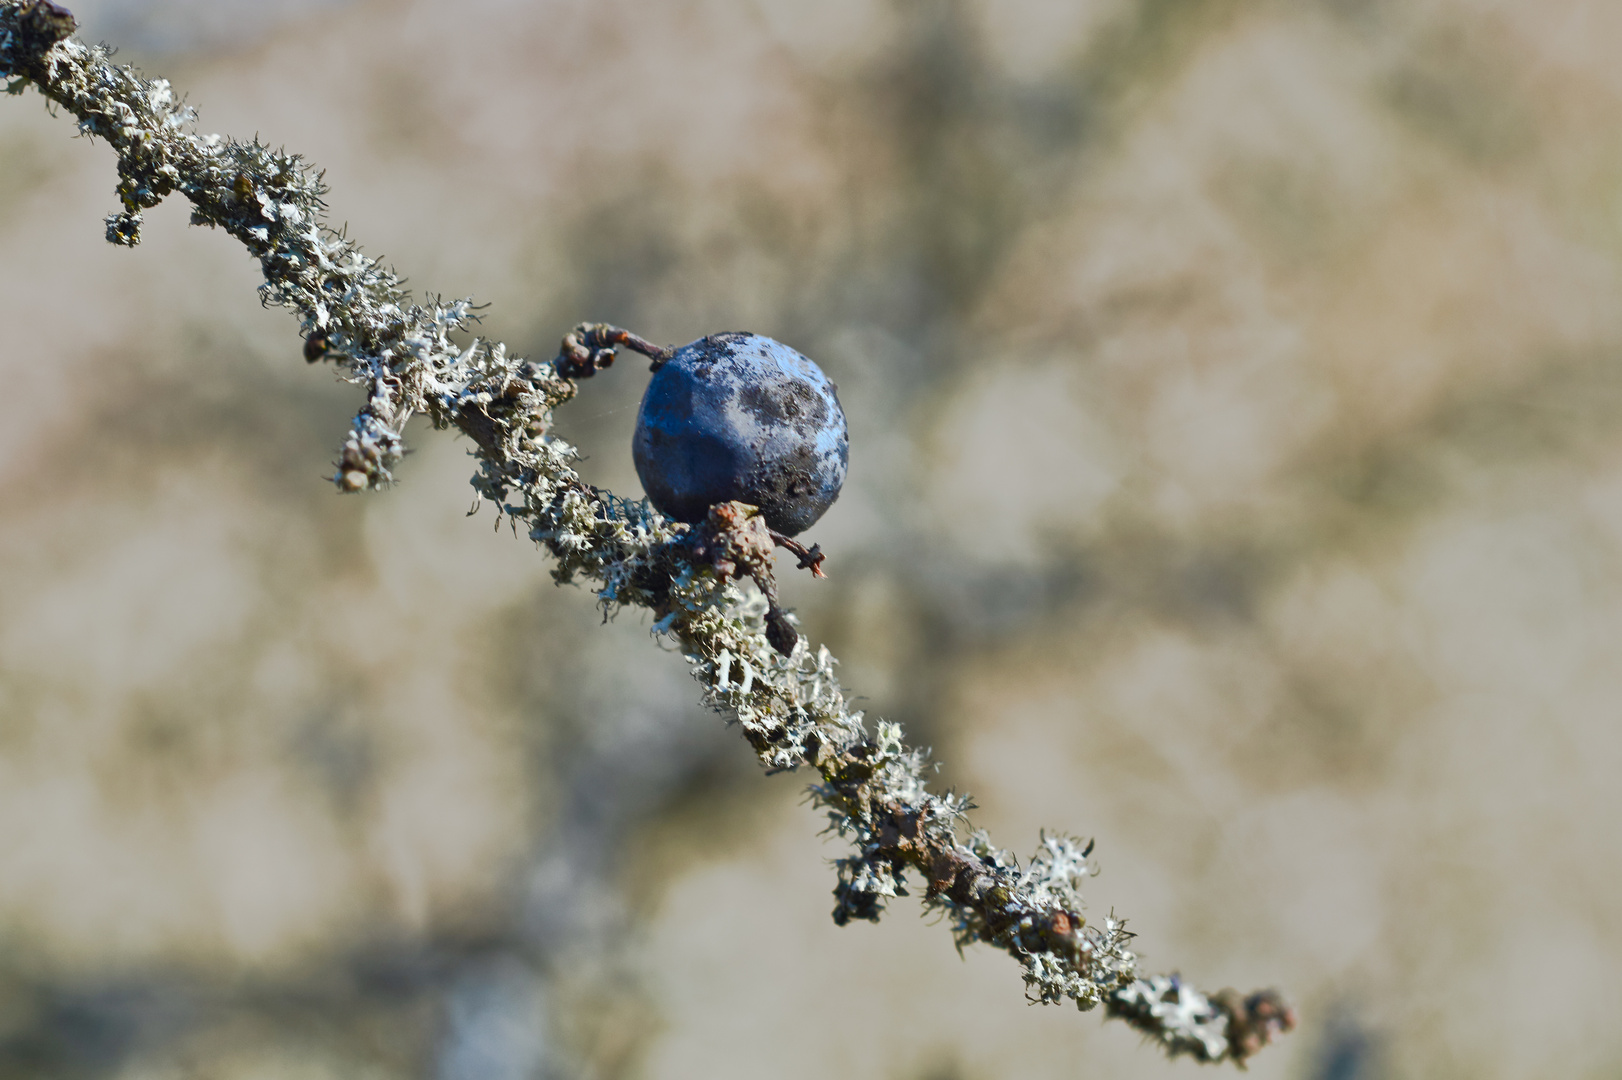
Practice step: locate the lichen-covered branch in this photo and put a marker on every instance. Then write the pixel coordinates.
(791, 708)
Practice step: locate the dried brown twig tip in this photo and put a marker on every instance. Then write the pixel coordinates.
(589, 348)
(811, 558)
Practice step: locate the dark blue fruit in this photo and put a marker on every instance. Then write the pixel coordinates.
(740, 416)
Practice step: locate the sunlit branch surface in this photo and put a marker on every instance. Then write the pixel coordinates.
(791, 709)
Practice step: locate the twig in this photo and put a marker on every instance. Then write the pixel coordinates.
(811, 558)
(791, 708)
(589, 348)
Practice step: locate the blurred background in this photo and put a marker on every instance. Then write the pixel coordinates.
(1236, 476)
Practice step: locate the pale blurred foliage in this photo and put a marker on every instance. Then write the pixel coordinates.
(1235, 476)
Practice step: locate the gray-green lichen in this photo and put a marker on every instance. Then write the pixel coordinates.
(791, 708)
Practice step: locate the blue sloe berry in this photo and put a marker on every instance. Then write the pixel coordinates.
(740, 416)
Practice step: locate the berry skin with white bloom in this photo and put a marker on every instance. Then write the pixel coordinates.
(741, 417)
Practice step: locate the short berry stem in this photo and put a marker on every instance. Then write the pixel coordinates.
(589, 348)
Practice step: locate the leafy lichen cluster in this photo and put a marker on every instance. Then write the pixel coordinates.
(791, 708)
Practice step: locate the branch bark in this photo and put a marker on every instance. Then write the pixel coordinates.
(791, 708)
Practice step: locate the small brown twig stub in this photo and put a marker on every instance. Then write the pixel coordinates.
(589, 348)
(811, 558)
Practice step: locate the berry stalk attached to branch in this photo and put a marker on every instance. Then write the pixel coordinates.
(788, 702)
(589, 348)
